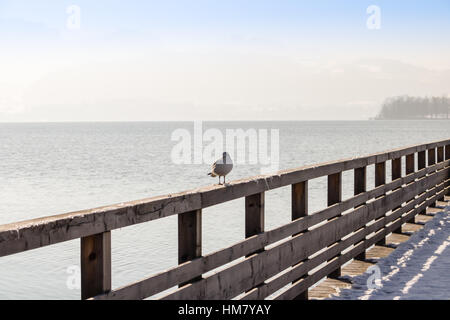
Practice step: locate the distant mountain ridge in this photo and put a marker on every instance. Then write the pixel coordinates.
(407, 107)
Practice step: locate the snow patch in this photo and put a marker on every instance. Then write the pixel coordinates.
(417, 269)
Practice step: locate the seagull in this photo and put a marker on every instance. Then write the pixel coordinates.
(222, 167)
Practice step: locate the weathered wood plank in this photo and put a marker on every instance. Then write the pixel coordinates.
(440, 157)
(380, 174)
(95, 265)
(189, 238)
(299, 205)
(422, 219)
(410, 167)
(254, 214)
(396, 169)
(360, 186)
(431, 156)
(421, 160)
(440, 154)
(410, 228)
(380, 179)
(334, 196)
(410, 163)
(328, 288)
(254, 217)
(378, 252)
(356, 268)
(360, 180)
(397, 174)
(299, 208)
(421, 164)
(396, 239)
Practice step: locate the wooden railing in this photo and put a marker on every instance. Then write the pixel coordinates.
(301, 253)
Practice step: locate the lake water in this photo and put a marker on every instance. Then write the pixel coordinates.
(53, 168)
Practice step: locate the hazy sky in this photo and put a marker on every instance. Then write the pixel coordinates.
(217, 60)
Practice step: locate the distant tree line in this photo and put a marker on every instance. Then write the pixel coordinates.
(406, 107)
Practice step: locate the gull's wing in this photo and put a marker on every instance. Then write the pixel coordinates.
(213, 169)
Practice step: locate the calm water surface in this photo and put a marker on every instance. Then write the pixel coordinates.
(48, 169)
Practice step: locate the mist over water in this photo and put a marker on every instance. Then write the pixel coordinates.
(53, 168)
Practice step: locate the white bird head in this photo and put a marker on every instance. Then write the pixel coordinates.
(226, 158)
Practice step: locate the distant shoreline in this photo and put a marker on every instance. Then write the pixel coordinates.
(410, 119)
(222, 121)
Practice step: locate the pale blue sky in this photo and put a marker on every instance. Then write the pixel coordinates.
(278, 56)
(223, 21)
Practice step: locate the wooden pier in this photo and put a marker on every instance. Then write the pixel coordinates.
(289, 262)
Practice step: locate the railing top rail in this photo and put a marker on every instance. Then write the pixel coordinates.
(35, 233)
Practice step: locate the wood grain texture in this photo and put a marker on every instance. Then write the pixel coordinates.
(95, 265)
(189, 239)
(254, 214)
(334, 196)
(360, 186)
(440, 154)
(299, 209)
(421, 160)
(410, 163)
(431, 156)
(299, 204)
(397, 174)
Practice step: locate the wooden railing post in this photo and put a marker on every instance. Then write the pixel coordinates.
(397, 174)
(335, 196)
(380, 179)
(360, 186)
(95, 265)
(447, 157)
(440, 158)
(410, 168)
(254, 214)
(299, 209)
(189, 238)
(432, 161)
(410, 164)
(254, 217)
(440, 154)
(421, 160)
(396, 169)
(421, 164)
(431, 157)
(299, 200)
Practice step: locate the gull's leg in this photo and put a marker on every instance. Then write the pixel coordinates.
(219, 180)
(224, 180)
